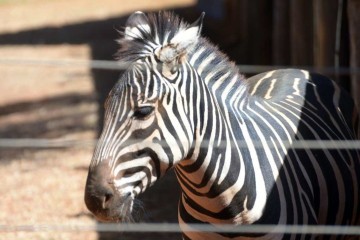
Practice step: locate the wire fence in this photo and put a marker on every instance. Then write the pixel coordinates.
(178, 228)
(116, 65)
(74, 143)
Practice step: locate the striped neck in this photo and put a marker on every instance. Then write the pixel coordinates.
(219, 89)
(221, 92)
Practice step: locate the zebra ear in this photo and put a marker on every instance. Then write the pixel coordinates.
(181, 44)
(189, 36)
(137, 25)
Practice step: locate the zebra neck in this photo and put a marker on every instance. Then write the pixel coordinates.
(215, 171)
(204, 176)
(220, 92)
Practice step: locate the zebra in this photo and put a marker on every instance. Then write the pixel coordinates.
(238, 145)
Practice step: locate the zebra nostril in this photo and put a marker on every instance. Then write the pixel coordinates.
(99, 197)
(107, 199)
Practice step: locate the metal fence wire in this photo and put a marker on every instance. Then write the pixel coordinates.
(178, 228)
(74, 143)
(6, 143)
(116, 65)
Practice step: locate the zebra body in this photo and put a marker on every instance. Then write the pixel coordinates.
(231, 140)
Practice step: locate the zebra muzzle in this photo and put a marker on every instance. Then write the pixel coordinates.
(98, 194)
(101, 197)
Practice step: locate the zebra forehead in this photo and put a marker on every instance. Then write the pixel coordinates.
(145, 37)
(135, 79)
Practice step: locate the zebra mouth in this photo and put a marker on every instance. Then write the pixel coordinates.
(117, 209)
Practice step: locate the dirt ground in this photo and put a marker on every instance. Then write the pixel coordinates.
(44, 186)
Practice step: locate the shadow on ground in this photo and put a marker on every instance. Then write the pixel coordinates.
(66, 120)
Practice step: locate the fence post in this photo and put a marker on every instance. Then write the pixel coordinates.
(301, 33)
(325, 19)
(281, 35)
(354, 27)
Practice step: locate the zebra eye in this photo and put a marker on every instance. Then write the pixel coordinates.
(143, 112)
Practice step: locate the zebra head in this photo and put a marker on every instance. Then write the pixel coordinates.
(148, 127)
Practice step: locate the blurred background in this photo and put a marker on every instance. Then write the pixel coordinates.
(51, 94)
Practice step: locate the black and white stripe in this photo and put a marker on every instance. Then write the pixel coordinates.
(183, 104)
